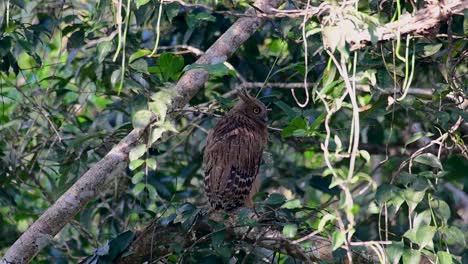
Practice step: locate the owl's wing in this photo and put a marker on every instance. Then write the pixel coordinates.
(232, 162)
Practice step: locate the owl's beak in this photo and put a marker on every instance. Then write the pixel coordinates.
(264, 116)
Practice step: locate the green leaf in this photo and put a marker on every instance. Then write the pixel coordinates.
(156, 134)
(19, 3)
(138, 188)
(218, 69)
(164, 96)
(275, 199)
(134, 164)
(332, 37)
(137, 151)
(395, 251)
(413, 198)
(138, 177)
(224, 252)
(139, 66)
(441, 209)
(102, 50)
(421, 236)
(116, 246)
(169, 127)
(324, 220)
(151, 163)
(425, 235)
(330, 87)
(444, 257)
(171, 10)
(295, 124)
(453, 235)
(286, 108)
(292, 204)
(142, 118)
(365, 155)
(193, 19)
(299, 133)
(417, 137)
(170, 66)
(313, 31)
(430, 50)
(140, 3)
(290, 230)
(429, 159)
(422, 219)
(217, 238)
(397, 200)
(151, 191)
(384, 193)
(159, 108)
(318, 121)
(411, 256)
(338, 239)
(115, 77)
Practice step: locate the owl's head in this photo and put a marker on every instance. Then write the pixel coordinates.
(251, 107)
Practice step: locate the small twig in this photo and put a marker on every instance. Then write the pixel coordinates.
(349, 254)
(307, 237)
(197, 111)
(367, 243)
(94, 42)
(439, 141)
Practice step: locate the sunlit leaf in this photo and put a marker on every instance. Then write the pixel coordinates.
(218, 69)
(290, 231)
(429, 159)
(135, 164)
(292, 204)
(395, 251)
(159, 108)
(444, 257)
(138, 177)
(413, 198)
(411, 256)
(142, 118)
(421, 236)
(138, 188)
(430, 50)
(324, 220)
(141, 2)
(338, 239)
(151, 163)
(137, 152)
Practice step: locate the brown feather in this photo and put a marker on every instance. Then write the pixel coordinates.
(233, 153)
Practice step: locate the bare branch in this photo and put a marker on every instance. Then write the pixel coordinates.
(424, 20)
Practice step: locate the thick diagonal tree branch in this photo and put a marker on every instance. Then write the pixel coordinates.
(420, 23)
(92, 182)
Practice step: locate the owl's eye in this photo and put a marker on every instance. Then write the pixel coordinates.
(256, 110)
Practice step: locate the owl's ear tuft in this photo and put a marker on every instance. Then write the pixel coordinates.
(244, 95)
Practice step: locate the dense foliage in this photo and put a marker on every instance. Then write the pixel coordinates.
(77, 76)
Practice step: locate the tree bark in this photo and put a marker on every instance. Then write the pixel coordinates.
(39, 234)
(421, 23)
